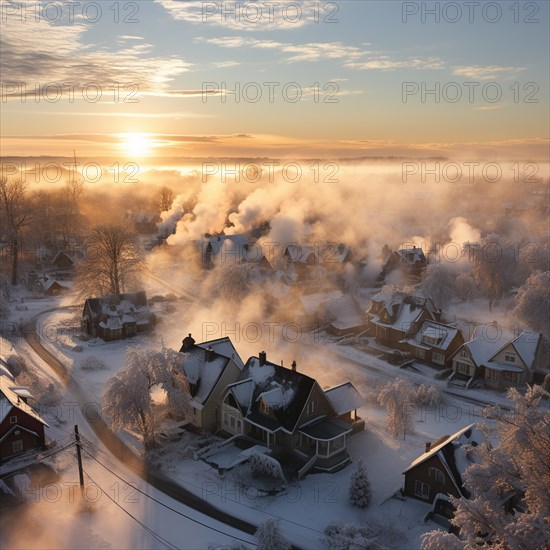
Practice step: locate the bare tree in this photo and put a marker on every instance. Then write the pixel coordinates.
(69, 213)
(114, 262)
(17, 215)
(164, 199)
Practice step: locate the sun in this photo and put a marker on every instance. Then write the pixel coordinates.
(136, 144)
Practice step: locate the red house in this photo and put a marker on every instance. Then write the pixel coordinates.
(21, 427)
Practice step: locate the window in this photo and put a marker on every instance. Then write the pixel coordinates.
(510, 357)
(437, 475)
(419, 353)
(510, 376)
(438, 358)
(421, 489)
(464, 368)
(13, 419)
(492, 374)
(264, 407)
(464, 354)
(311, 407)
(17, 446)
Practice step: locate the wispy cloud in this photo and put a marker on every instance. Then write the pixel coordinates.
(487, 72)
(353, 57)
(245, 15)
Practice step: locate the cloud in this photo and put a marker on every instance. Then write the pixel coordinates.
(352, 56)
(46, 53)
(487, 72)
(245, 15)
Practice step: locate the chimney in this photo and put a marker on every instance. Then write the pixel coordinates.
(188, 342)
(428, 445)
(209, 354)
(293, 366)
(263, 358)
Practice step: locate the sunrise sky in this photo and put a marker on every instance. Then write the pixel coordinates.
(361, 52)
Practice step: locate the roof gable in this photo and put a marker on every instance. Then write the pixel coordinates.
(285, 390)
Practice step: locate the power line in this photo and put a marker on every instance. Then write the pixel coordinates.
(13, 472)
(225, 497)
(154, 534)
(166, 505)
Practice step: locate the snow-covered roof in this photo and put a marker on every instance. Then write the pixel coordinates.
(343, 312)
(4, 371)
(411, 255)
(312, 302)
(9, 398)
(525, 345)
(285, 390)
(464, 436)
(131, 308)
(481, 350)
(224, 346)
(441, 333)
(344, 398)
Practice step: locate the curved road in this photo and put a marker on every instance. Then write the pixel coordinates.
(122, 452)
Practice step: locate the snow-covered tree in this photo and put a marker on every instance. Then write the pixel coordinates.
(270, 536)
(398, 397)
(494, 267)
(439, 285)
(517, 466)
(429, 396)
(465, 287)
(127, 399)
(533, 302)
(440, 540)
(265, 466)
(359, 489)
(342, 536)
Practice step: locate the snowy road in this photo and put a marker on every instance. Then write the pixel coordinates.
(121, 451)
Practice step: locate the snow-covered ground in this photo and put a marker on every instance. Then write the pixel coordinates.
(307, 506)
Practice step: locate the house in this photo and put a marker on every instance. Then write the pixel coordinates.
(435, 343)
(62, 261)
(439, 470)
(411, 261)
(469, 360)
(21, 427)
(515, 362)
(143, 222)
(394, 316)
(209, 367)
(281, 407)
(112, 319)
(304, 261)
(235, 249)
(499, 366)
(344, 316)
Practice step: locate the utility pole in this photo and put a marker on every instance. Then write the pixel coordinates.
(79, 458)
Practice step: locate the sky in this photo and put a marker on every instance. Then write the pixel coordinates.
(161, 79)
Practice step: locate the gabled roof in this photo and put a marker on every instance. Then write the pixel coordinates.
(344, 398)
(284, 390)
(411, 256)
(224, 347)
(9, 398)
(203, 374)
(453, 454)
(442, 333)
(131, 308)
(526, 345)
(480, 350)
